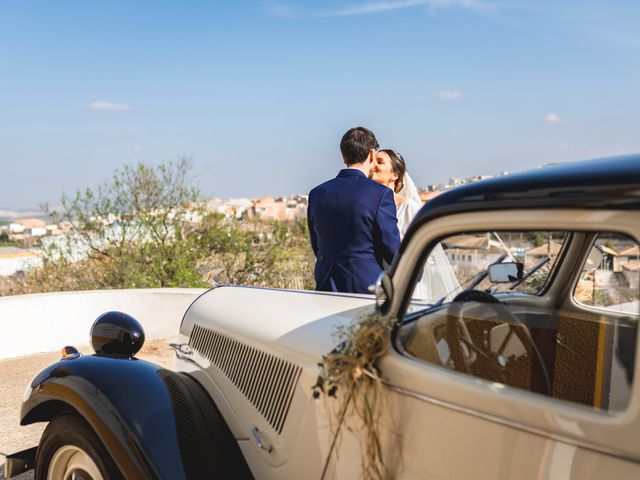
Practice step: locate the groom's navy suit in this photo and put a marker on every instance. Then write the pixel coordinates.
(353, 228)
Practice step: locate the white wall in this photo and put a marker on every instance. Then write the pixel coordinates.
(11, 265)
(47, 322)
(632, 277)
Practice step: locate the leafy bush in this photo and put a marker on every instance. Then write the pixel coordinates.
(146, 228)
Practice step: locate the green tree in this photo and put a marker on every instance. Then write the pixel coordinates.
(145, 227)
(132, 230)
(537, 238)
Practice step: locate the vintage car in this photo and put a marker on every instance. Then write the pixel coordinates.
(526, 370)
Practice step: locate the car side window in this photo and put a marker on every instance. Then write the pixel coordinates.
(610, 275)
(496, 327)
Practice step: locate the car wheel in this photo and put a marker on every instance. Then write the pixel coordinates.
(70, 449)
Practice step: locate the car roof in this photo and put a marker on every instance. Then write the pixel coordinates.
(608, 183)
(603, 183)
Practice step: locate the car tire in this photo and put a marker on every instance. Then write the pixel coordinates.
(69, 445)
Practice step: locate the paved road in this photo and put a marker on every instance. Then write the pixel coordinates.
(24, 476)
(15, 375)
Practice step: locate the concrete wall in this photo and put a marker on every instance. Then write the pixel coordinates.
(47, 322)
(632, 277)
(11, 265)
(605, 278)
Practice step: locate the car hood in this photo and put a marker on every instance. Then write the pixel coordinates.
(302, 321)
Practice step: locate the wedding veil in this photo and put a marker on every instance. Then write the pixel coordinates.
(409, 189)
(438, 279)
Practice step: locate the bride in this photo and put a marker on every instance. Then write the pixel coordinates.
(438, 278)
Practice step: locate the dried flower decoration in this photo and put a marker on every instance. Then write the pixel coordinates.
(351, 369)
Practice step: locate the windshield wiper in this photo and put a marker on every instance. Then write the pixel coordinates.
(440, 301)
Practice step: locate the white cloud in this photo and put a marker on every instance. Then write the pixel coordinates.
(105, 106)
(551, 119)
(449, 95)
(375, 7)
(285, 11)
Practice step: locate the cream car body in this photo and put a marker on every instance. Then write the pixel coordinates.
(451, 426)
(255, 352)
(447, 424)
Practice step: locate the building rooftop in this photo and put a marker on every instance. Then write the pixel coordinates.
(31, 222)
(631, 252)
(631, 266)
(545, 249)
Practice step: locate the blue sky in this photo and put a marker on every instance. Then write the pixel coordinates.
(259, 93)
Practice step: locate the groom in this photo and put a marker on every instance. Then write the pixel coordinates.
(352, 220)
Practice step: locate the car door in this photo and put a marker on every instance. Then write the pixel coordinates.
(540, 416)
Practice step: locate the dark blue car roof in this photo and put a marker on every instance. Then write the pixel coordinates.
(611, 183)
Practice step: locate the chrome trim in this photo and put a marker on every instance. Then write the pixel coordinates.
(182, 349)
(510, 423)
(257, 436)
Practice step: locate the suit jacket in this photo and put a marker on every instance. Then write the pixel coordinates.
(353, 229)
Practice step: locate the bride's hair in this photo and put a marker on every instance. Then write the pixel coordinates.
(398, 166)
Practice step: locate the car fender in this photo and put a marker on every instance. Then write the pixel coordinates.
(153, 422)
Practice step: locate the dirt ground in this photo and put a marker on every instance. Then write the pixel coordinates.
(15, 375)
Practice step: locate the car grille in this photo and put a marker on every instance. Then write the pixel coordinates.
(267, 381)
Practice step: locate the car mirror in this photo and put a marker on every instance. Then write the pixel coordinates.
(594, 260)
(505, 272)
(383, 291)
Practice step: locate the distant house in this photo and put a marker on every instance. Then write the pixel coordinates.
(216, 205)
(237, 207)
(36, 231)
(234, 207)
(437, 187)
(281, 208)
(53, 229)
(472, 251)
(628, 255)
(269, 208)
(296, 207)
(30, 223)
(534, 255)
(15, 228)
(426, 196)
(33, 227)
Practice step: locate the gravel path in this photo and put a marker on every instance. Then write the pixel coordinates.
(15, 375)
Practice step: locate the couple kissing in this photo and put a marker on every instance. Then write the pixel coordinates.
(357, 219)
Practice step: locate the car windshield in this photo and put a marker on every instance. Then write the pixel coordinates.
(462, 261)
